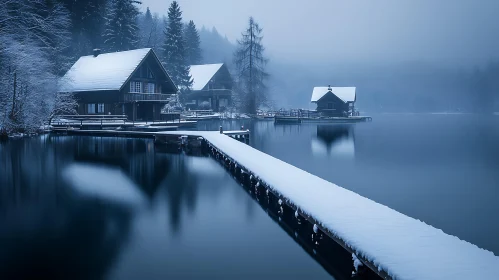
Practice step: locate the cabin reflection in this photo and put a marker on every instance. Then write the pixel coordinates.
(154, 169)
(336, 140)
(136, 158)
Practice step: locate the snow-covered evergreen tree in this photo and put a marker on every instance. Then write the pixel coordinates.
(192, 44)
(121, 30)
(250, 64)
(174, 53)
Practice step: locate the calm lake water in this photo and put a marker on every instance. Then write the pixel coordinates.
(113, 208)
(441, 169)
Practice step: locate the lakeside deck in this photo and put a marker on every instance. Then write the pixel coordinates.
(391, 244)
(291, 119)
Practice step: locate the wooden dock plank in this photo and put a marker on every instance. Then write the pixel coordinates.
(392, 244)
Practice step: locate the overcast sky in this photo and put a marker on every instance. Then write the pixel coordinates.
(391, 31)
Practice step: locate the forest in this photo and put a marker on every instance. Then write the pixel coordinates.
(41, 39)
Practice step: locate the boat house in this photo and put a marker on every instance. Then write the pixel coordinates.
(132, 83)
(334, 101)
(211, 87)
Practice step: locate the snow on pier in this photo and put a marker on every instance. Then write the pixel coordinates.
(397, 245)
(392, 244)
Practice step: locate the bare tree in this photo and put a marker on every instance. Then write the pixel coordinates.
(250, 64)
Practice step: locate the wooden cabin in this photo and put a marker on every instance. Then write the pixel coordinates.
(132, 83)
(334, 101)
(211, 88)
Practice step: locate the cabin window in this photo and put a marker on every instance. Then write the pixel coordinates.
(150, 74)
(91, 108)
(330, 105)
(150, 87)
(100, 108)
(135, 87)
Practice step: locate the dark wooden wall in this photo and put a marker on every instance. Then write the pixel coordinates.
(221, 80)
(331, 105)
(110, 99)
(163, 83)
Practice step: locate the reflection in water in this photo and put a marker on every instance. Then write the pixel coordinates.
(334, 140)
(65, 211)
(115, 208)
(103, 182)
(79, 239)
(137, 159)
(181, 189)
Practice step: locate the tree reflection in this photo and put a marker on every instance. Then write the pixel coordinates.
(46, 231)
(79, 240)
(49, 231)
(181, 188)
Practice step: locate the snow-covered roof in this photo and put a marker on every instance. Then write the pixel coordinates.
(108, 71)
(202, 74)
(346, 94)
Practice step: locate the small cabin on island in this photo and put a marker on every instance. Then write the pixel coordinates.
(334, 101)
(132, 83)
(211, 87)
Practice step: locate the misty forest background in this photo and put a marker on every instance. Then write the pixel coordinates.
(41, 39)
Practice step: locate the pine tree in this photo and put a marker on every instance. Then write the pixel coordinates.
(151, 34)
(121, 30)
(250, 64)
(146, 29)
(87, 24)
(192, 40)
(174, 49)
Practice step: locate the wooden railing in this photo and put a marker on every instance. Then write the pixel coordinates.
(298, 113)
(70, 120)
(130, 97)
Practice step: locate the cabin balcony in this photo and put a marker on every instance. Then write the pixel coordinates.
(139, 97)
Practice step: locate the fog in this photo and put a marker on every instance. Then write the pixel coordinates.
(401, 55)
(461, 32)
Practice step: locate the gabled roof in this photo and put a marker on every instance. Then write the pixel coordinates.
(346, 94)
(108, 71)
(202, 74)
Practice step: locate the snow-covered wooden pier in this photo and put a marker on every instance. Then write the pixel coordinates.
(391, 244)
